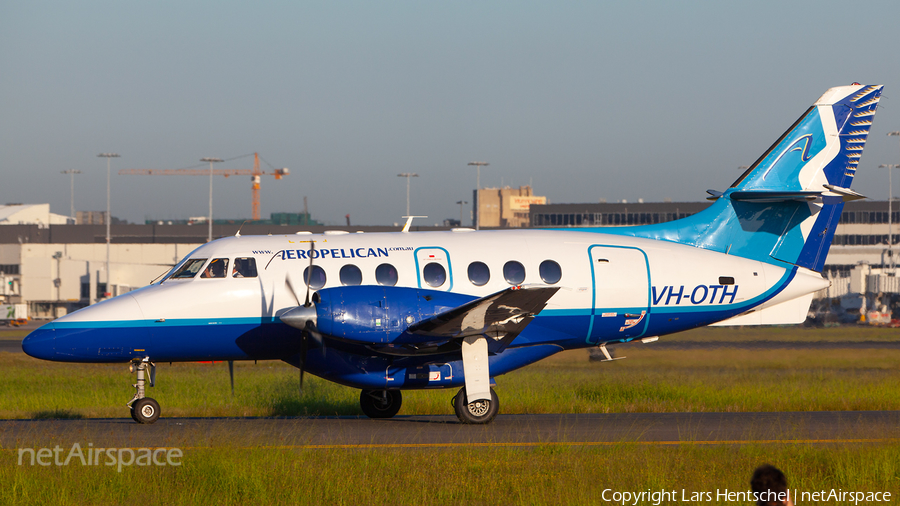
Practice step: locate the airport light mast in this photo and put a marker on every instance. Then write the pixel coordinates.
(407, 175)
(108, 219)
(211, 162)
(478, 166)
(461, 204)
(72, 172)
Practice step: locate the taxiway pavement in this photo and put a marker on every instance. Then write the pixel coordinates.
(825, 427)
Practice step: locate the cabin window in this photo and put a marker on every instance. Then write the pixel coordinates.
(188, 269)
(479, 274)
(434, 274)
(351, 275)
(244, 268)
(315, 278)
(386, 274)
(216, 268)
(550, 272)
(514, 272)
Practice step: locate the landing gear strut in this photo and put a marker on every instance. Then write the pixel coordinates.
(478, 412)
(380, 403)
(143, 409)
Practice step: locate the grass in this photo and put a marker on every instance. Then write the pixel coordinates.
(649, 380)
(540, 475)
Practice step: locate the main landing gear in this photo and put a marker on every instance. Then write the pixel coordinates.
(143, 409)
(386, 404)
(380, 403)
(477, 412)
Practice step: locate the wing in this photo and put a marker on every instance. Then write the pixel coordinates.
(500, 317)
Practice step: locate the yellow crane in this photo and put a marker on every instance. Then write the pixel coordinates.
(255, 177)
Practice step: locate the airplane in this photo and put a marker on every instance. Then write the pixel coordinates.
(388, 312)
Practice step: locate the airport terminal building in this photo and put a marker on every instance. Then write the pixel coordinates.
(58, 268)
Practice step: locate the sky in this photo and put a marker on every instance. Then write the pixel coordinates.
(585, 101)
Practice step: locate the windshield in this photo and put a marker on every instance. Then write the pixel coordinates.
(188, 269)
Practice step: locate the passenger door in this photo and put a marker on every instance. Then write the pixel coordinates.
(621, 292)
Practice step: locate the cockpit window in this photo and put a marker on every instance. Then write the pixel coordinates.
(244, 268)
(216, 269)
(188, 269)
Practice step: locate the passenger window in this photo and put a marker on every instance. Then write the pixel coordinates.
(434, 274)
(188, 269)
(479, 274)
(551, 272)
(386, 274)
(216, 268)
(351, 275)
(514, 272)
(244, 268)
(316, 278)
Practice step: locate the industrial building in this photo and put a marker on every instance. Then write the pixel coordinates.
(58, 268)
(504, 207)
(31, 214)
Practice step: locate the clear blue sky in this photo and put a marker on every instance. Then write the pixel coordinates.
(586, 100)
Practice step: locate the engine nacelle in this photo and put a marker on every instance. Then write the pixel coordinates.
(378, 314)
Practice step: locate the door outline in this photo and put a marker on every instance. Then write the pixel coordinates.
(447, 265)
(593, 314)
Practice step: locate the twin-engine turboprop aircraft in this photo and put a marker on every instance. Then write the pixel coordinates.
(388, 312)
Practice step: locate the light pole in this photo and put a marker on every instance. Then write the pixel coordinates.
(72, 172)
(108, 219)
(478, 166)
(890, 167)
(407, 175)
(211, 162)
(461, 204)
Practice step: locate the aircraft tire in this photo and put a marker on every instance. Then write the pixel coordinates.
(145, 410)
(373, 405)
(479, 412)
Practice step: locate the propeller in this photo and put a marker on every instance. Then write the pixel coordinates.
(303, 317)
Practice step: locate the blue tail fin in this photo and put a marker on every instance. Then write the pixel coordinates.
(786, 206)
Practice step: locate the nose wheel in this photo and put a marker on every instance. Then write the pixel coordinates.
(143, 408)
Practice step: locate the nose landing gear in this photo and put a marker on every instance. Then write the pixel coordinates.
(143, 409)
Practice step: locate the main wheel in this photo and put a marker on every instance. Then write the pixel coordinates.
(380, 403)
(481, 411)
(145, 410)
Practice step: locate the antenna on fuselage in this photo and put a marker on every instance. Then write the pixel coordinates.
(238, 233)
(409, 222)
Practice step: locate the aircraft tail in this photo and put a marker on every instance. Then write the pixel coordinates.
(786, 206)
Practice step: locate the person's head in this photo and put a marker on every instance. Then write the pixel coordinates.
(767, 481)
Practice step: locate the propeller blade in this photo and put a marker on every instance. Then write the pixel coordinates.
(312, 249)
(290, 287)
(231, 374)
(304, 345)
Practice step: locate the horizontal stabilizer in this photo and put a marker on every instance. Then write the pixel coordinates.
(790, 312)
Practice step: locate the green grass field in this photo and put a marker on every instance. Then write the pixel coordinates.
(649, 380)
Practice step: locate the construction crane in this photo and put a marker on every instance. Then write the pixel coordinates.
(255, 177)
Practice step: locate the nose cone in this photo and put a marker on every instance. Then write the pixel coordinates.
(110, 331)
(40, 343)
